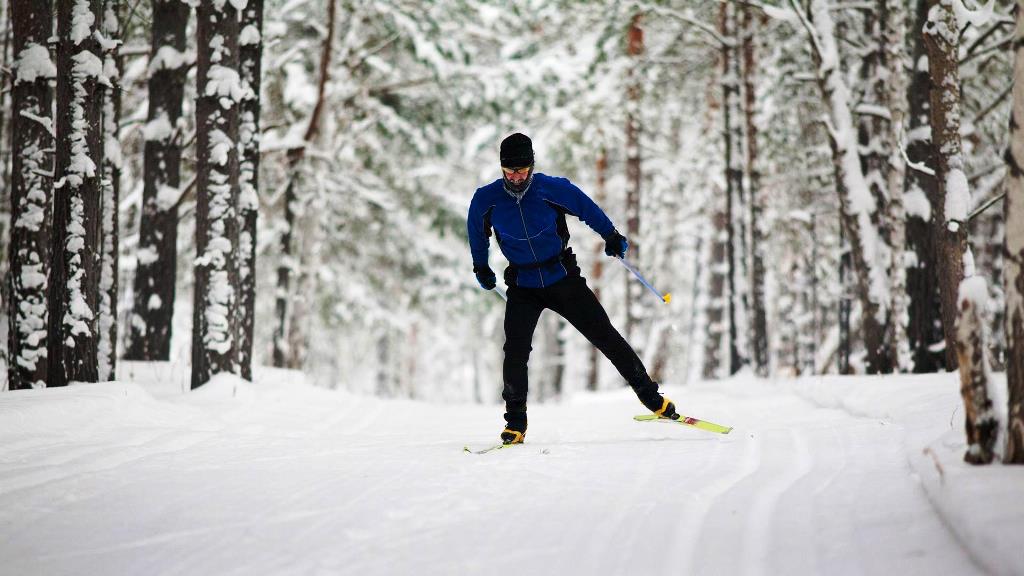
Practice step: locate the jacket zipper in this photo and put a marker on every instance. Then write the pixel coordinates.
(527, 232)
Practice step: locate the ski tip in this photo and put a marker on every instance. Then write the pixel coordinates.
(667, 298)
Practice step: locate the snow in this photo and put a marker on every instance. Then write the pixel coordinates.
(158, 129)
(820, 476)
(169, 58)
(916, 204)
(34, 62)
(979, 18)
(224, 82)
(958, 199)
(82, 21)
(248, 36)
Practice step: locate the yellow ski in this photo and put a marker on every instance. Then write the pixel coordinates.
(686, 421)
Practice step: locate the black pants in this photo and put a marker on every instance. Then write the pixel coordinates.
(574, 301)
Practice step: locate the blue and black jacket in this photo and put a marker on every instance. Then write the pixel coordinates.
(531, 231)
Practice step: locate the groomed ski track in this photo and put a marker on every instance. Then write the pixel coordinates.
(282, 478)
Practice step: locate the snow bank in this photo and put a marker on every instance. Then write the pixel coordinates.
(981, 505)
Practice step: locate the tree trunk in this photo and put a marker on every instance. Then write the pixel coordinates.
(75, 250)
(31, 190)
(155, 275)
(873, 138)
(634, 90)
(949, 219)
(868, 251)
(111, 95)
(982, 426)
(287, 268)
(1013, 279)
(759, 327)
(600, 195)
(716, 317)
(924, 328)
(893, 18)
(250, 54)
(214, 333)
(733, 170)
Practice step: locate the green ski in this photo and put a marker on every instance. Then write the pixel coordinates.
(489, 448)
(686, 421)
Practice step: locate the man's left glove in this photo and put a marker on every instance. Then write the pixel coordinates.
(615, 244)
(485, 276)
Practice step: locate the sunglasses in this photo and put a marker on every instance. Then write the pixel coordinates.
(524, 170)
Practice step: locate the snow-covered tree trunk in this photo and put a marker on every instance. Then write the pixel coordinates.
(31, 190)
(925, 326)
(982, 425)
(74, 276)
(716, 305)
(111, 95)
(1013, 279)
(949, 223)
(214, 334)
(873, 138)
(250, 55)
(732, 133)
(893, 18)
(868, 250)
(758, 322)
(155, 275)
(284, 332)
(634, 91)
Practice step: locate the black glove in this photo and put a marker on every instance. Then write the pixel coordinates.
(615, 244)
(485, 276)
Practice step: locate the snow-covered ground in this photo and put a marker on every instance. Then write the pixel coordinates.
(820, 476)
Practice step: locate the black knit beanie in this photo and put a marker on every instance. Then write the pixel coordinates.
(517, 151)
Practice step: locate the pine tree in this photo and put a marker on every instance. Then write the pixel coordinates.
(634, 182)
(949, 210)
(31, 190)
(759, 328)
(110, 201)
(75, 248)
(250, 56)
(155, 276)
(924, 327)
(214, 334)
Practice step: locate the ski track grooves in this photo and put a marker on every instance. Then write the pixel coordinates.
(757, 535)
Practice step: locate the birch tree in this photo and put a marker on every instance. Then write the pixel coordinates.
(893, 31)
(74, 277)
(869, 252)
(155, 274)
(214, 333)
(31, 190)
(1013, 210)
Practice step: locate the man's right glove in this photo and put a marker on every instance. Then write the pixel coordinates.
(615, 244)
(485, 276)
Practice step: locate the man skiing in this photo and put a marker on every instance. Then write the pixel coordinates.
(526, 212)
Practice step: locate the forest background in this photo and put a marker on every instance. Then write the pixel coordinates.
(825, 187)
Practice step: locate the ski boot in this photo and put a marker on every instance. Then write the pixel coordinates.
(661, 406)
(515, 430)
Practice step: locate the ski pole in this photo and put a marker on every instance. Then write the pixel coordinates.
(668, 295)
